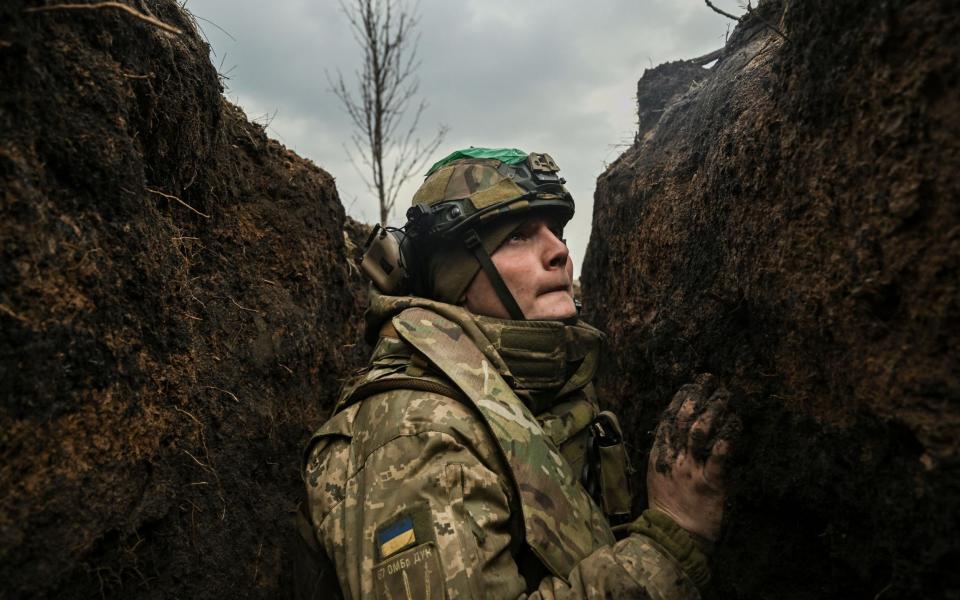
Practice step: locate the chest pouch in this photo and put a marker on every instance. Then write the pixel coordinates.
(606, 472)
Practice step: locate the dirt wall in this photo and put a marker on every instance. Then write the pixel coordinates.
(175, 309)
(788, 220)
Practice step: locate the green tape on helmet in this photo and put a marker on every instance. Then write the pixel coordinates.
(510, 156)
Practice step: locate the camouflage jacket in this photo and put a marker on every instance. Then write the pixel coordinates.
(452, 465)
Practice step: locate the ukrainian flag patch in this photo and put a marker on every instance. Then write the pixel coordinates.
(396, 536)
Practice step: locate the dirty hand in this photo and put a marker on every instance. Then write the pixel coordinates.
(686, 469)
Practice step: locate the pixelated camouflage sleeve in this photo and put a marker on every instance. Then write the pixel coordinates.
(421, 512)
(414, 509)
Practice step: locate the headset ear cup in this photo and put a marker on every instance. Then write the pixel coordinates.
(385, 261)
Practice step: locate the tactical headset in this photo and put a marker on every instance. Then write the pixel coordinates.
(390, 258)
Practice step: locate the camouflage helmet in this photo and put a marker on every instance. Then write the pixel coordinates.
(470, 202)
(474, 187)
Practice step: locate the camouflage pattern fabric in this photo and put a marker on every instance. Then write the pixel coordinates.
(480, 180)
(410, 494)
(451, 266)
(562, 524)
(475, 179)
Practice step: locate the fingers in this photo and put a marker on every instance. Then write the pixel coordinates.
(731, 428)
(699, 437)
(706, 428)
(662, 455)
(715, 468)
(672, 431)
(726, 428)
(695, 420)
(682, 394)
(707, 383)
(702, 387)
(720, 450)
(685, 428)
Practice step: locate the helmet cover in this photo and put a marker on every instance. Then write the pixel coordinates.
(498, 188)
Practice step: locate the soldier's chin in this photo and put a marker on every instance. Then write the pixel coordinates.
(553, 306)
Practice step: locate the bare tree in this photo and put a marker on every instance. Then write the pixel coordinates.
(384, 110)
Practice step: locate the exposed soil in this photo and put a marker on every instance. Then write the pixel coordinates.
(176, 307)
(788, 220)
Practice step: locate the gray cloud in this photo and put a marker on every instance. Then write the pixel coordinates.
(557, 77)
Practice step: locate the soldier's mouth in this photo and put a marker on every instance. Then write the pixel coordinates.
(556, 288)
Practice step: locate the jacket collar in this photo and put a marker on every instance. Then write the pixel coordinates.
(539, 357)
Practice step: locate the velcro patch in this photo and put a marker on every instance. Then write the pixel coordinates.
(396, 536)
(412, 575)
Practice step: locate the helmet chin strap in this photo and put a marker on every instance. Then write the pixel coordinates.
(474, 244)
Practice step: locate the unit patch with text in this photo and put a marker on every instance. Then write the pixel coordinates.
(413, 574)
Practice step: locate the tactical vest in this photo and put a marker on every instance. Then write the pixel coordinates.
(551, 461)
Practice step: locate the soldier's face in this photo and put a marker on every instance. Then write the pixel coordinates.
(535, 264)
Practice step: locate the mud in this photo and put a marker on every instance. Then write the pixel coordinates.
(176, 308)
(787, 220)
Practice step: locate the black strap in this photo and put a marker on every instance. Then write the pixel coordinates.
(474, 244)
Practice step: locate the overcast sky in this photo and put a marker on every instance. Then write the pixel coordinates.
(555, 76)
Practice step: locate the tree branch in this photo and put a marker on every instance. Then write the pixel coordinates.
(719, 11)
(380, 107)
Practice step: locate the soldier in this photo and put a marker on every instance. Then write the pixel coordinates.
(470, 458)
